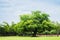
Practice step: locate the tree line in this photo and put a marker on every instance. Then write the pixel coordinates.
(30, 25)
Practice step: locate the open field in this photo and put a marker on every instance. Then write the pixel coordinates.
(28, 38)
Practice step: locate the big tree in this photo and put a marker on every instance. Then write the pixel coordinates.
(32, 22)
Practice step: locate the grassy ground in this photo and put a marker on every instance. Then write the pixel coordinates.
(28, 38)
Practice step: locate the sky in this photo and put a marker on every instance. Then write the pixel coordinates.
(11, 9)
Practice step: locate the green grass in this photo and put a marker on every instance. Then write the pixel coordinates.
(28, 38)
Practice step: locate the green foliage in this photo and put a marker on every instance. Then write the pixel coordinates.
(53, 32)
(31, 24)
(35, 22)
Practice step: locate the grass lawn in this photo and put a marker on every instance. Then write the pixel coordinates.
(28, 38)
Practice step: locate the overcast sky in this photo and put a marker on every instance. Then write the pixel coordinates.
(11, 9)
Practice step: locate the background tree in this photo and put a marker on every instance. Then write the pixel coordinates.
(58, 28)
(11, 29)
(6, 28)
(2, 31)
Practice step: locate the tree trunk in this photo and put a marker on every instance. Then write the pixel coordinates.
(35, 32)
